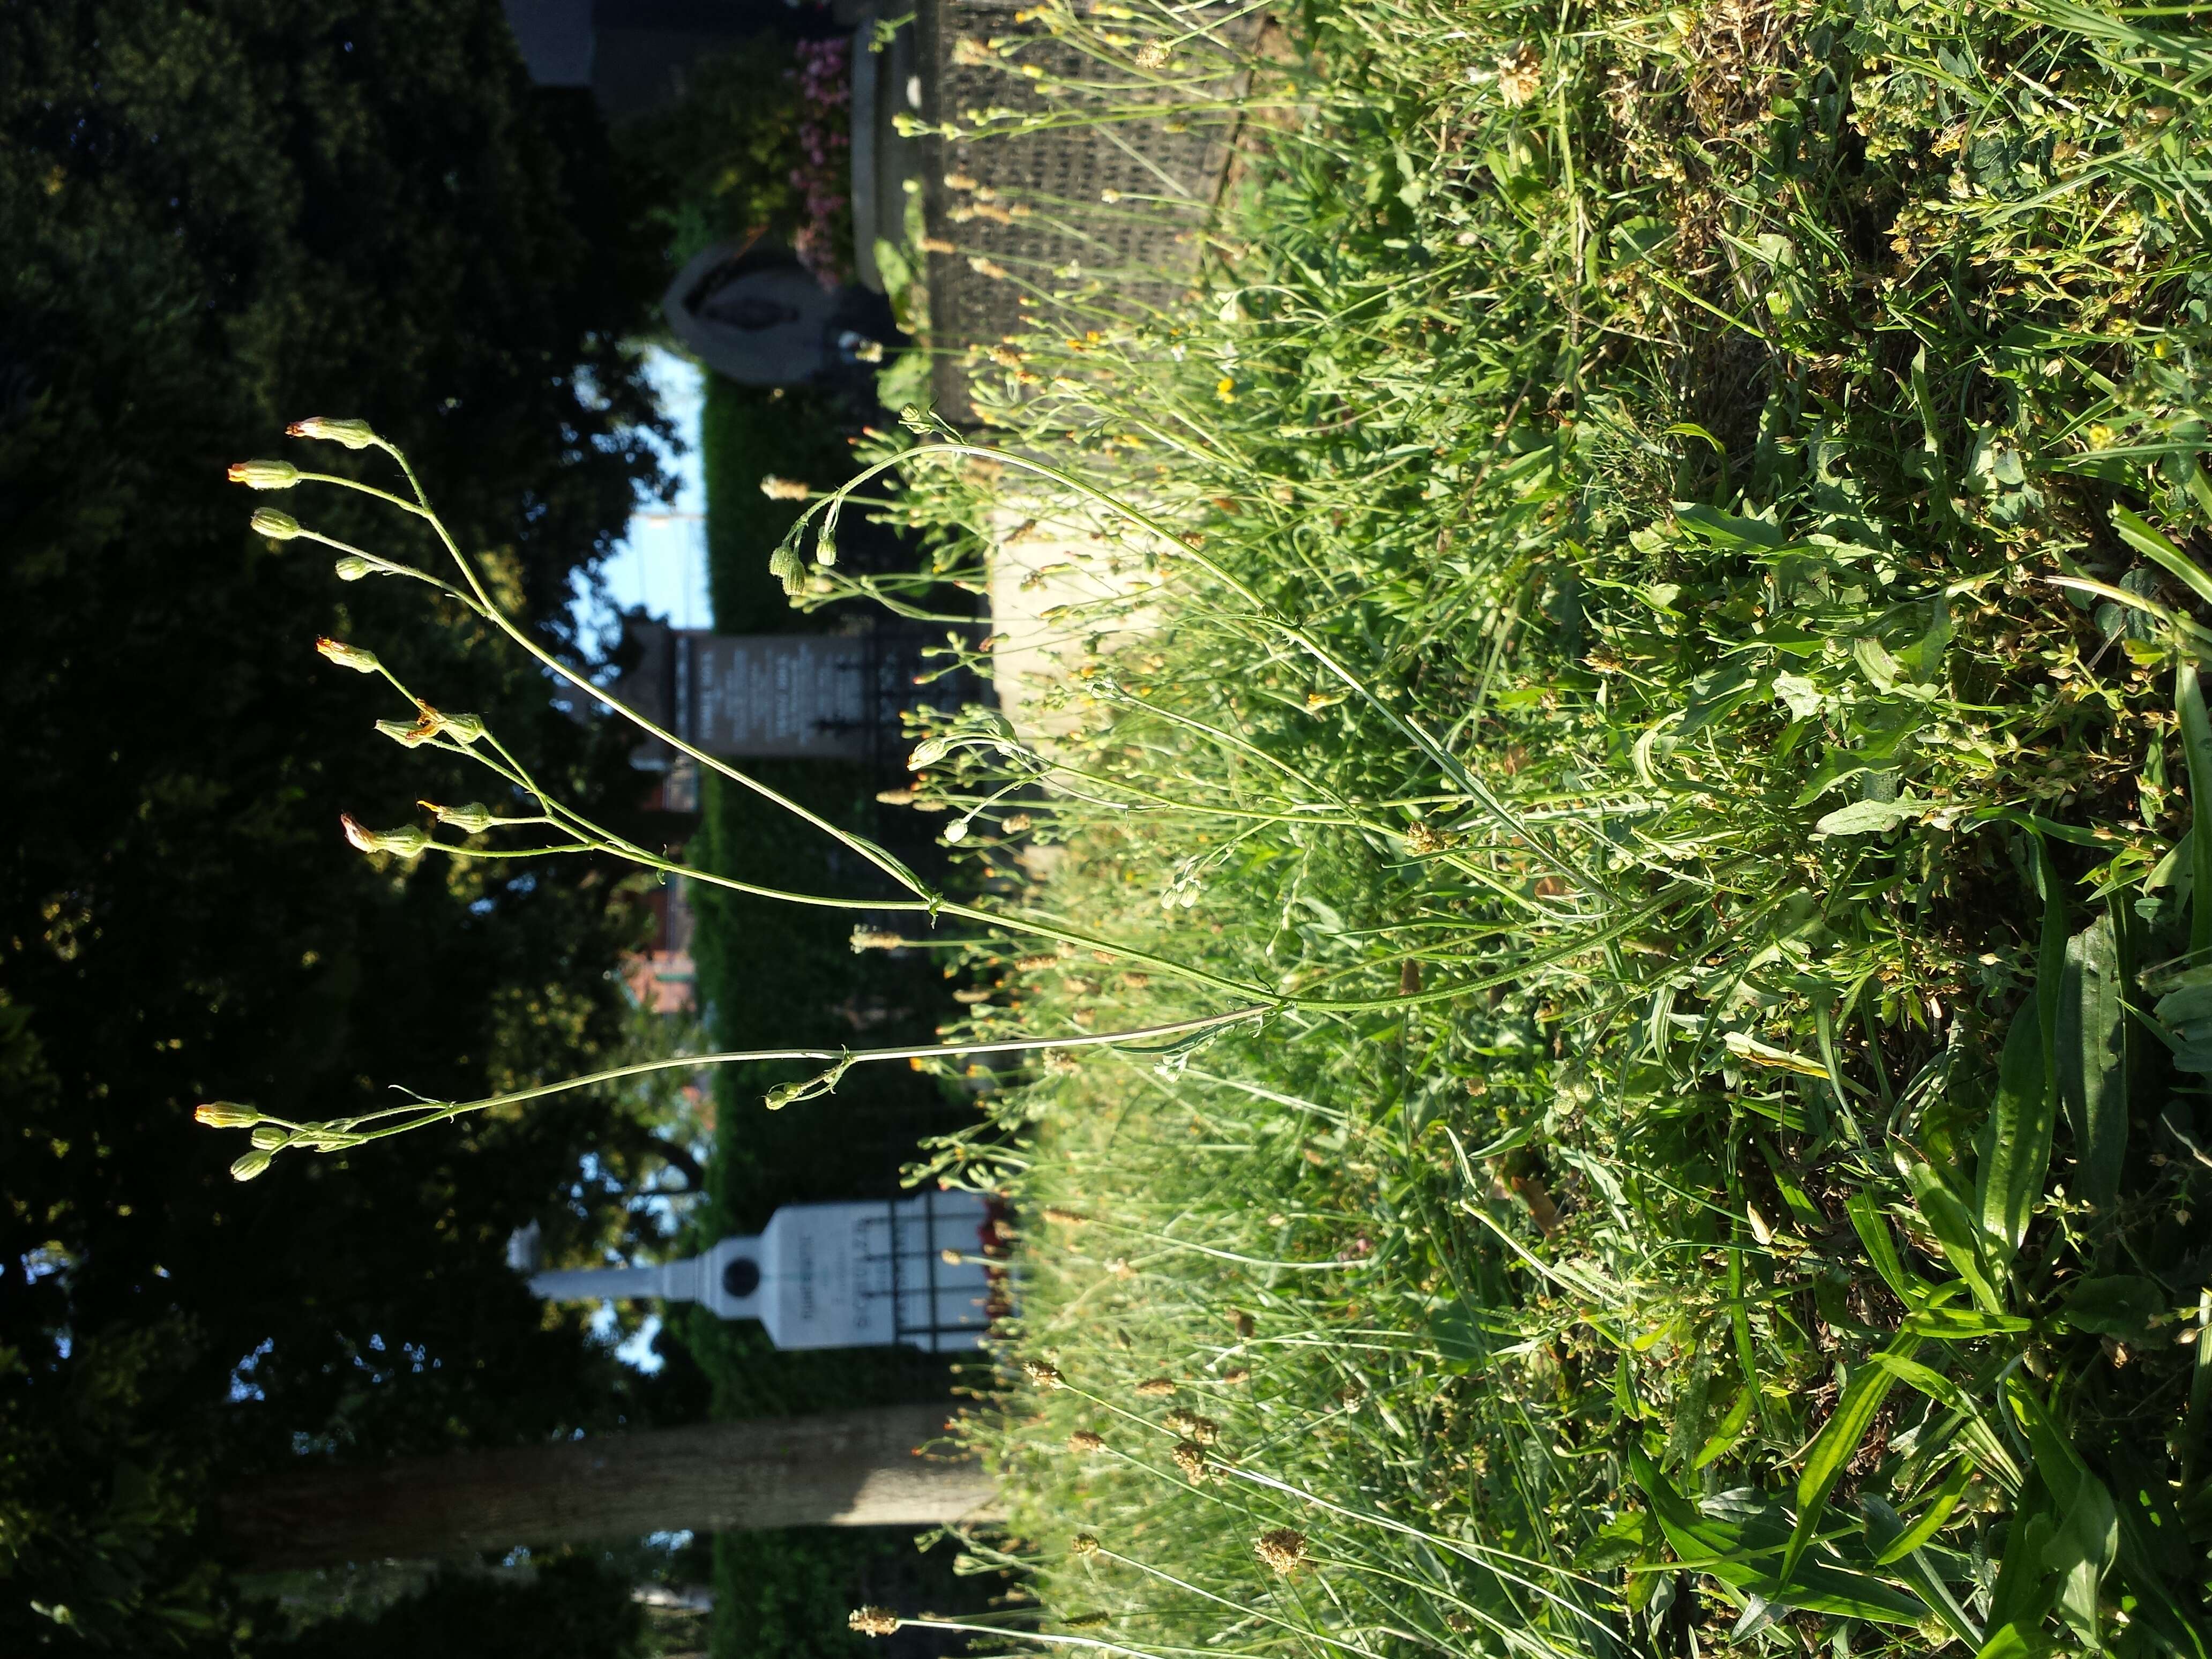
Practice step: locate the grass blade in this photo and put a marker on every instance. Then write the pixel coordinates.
(2093, 1059)
(1824, 1465)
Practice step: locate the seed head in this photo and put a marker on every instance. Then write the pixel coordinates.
(1152, 55)
(358, 658)
(1087, 1620)
(873, 1621)
(1240, 1375)
(875, 938)
(1153, 1387)
(1519, 77)
(1065, 1217)
(1284, 1549)
(1203, 1431)
(1084, 1543)
(784, 489)
(226, 1114)
(354, 435)
(1084, 1440)
(251, 1165)
(1044, 1374)
(276, 526)
(264, 474)
(1190, 1458)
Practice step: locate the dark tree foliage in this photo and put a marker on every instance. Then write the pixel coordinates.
(217, 215)
(573, 1605)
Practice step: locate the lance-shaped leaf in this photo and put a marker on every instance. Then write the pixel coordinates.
(2093, 1059)
(1835, 1445)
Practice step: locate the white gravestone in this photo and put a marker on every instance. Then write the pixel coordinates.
(867, 1274)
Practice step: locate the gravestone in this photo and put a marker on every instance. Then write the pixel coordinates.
(909, 1272)
(756, 695)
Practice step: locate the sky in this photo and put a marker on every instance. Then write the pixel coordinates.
(661, 562)
(661, 565)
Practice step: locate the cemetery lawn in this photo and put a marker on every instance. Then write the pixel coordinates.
(1679, 695)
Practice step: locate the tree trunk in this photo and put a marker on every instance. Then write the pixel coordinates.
(848, 1469)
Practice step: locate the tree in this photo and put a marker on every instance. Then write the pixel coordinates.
(850, 1468)
(221, 215)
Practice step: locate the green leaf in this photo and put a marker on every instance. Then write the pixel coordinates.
(1881, 1249)
(1867, 817)
(1964, 1324)
(1955, 1232)
(2080, 1553)
(2014, 1143)
(2122, 1305)
(2160, 551)
(2197, 747)
(1730, 1426)
(2093, 1059)
(1836, 1443)
(1933, 1518)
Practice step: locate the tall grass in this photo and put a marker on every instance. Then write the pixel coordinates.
(1688, 533)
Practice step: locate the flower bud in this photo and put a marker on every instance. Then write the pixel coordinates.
(226, 1114)
(353, 568)
(268, 1137)
(354, 435)
(277, 527)
(472, 820)
(264, 474)
(251, 1165)
(408, 734)
(408, 842)
(358, 658)
(928, 753)
(462, 728)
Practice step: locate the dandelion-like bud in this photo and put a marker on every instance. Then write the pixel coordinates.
(358, 658)
(1044, 1374)
(462, 728)
(928, 752)
(268, 1137)
(1190, 1458)
(957, 830)
(276, 526)
(353, 568)
(470, 820)
(408, 734)
(407, 841)
(1284, 1549)
(1154, 1388)
(784, 489)
(1202, 1430)
(1152, 56)
(226, 1114)
(873, 1621)
(1084, 1543)
(354, 435)
(1085, 1441)
(787, 567)
(264, 474)
(251, 1165)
